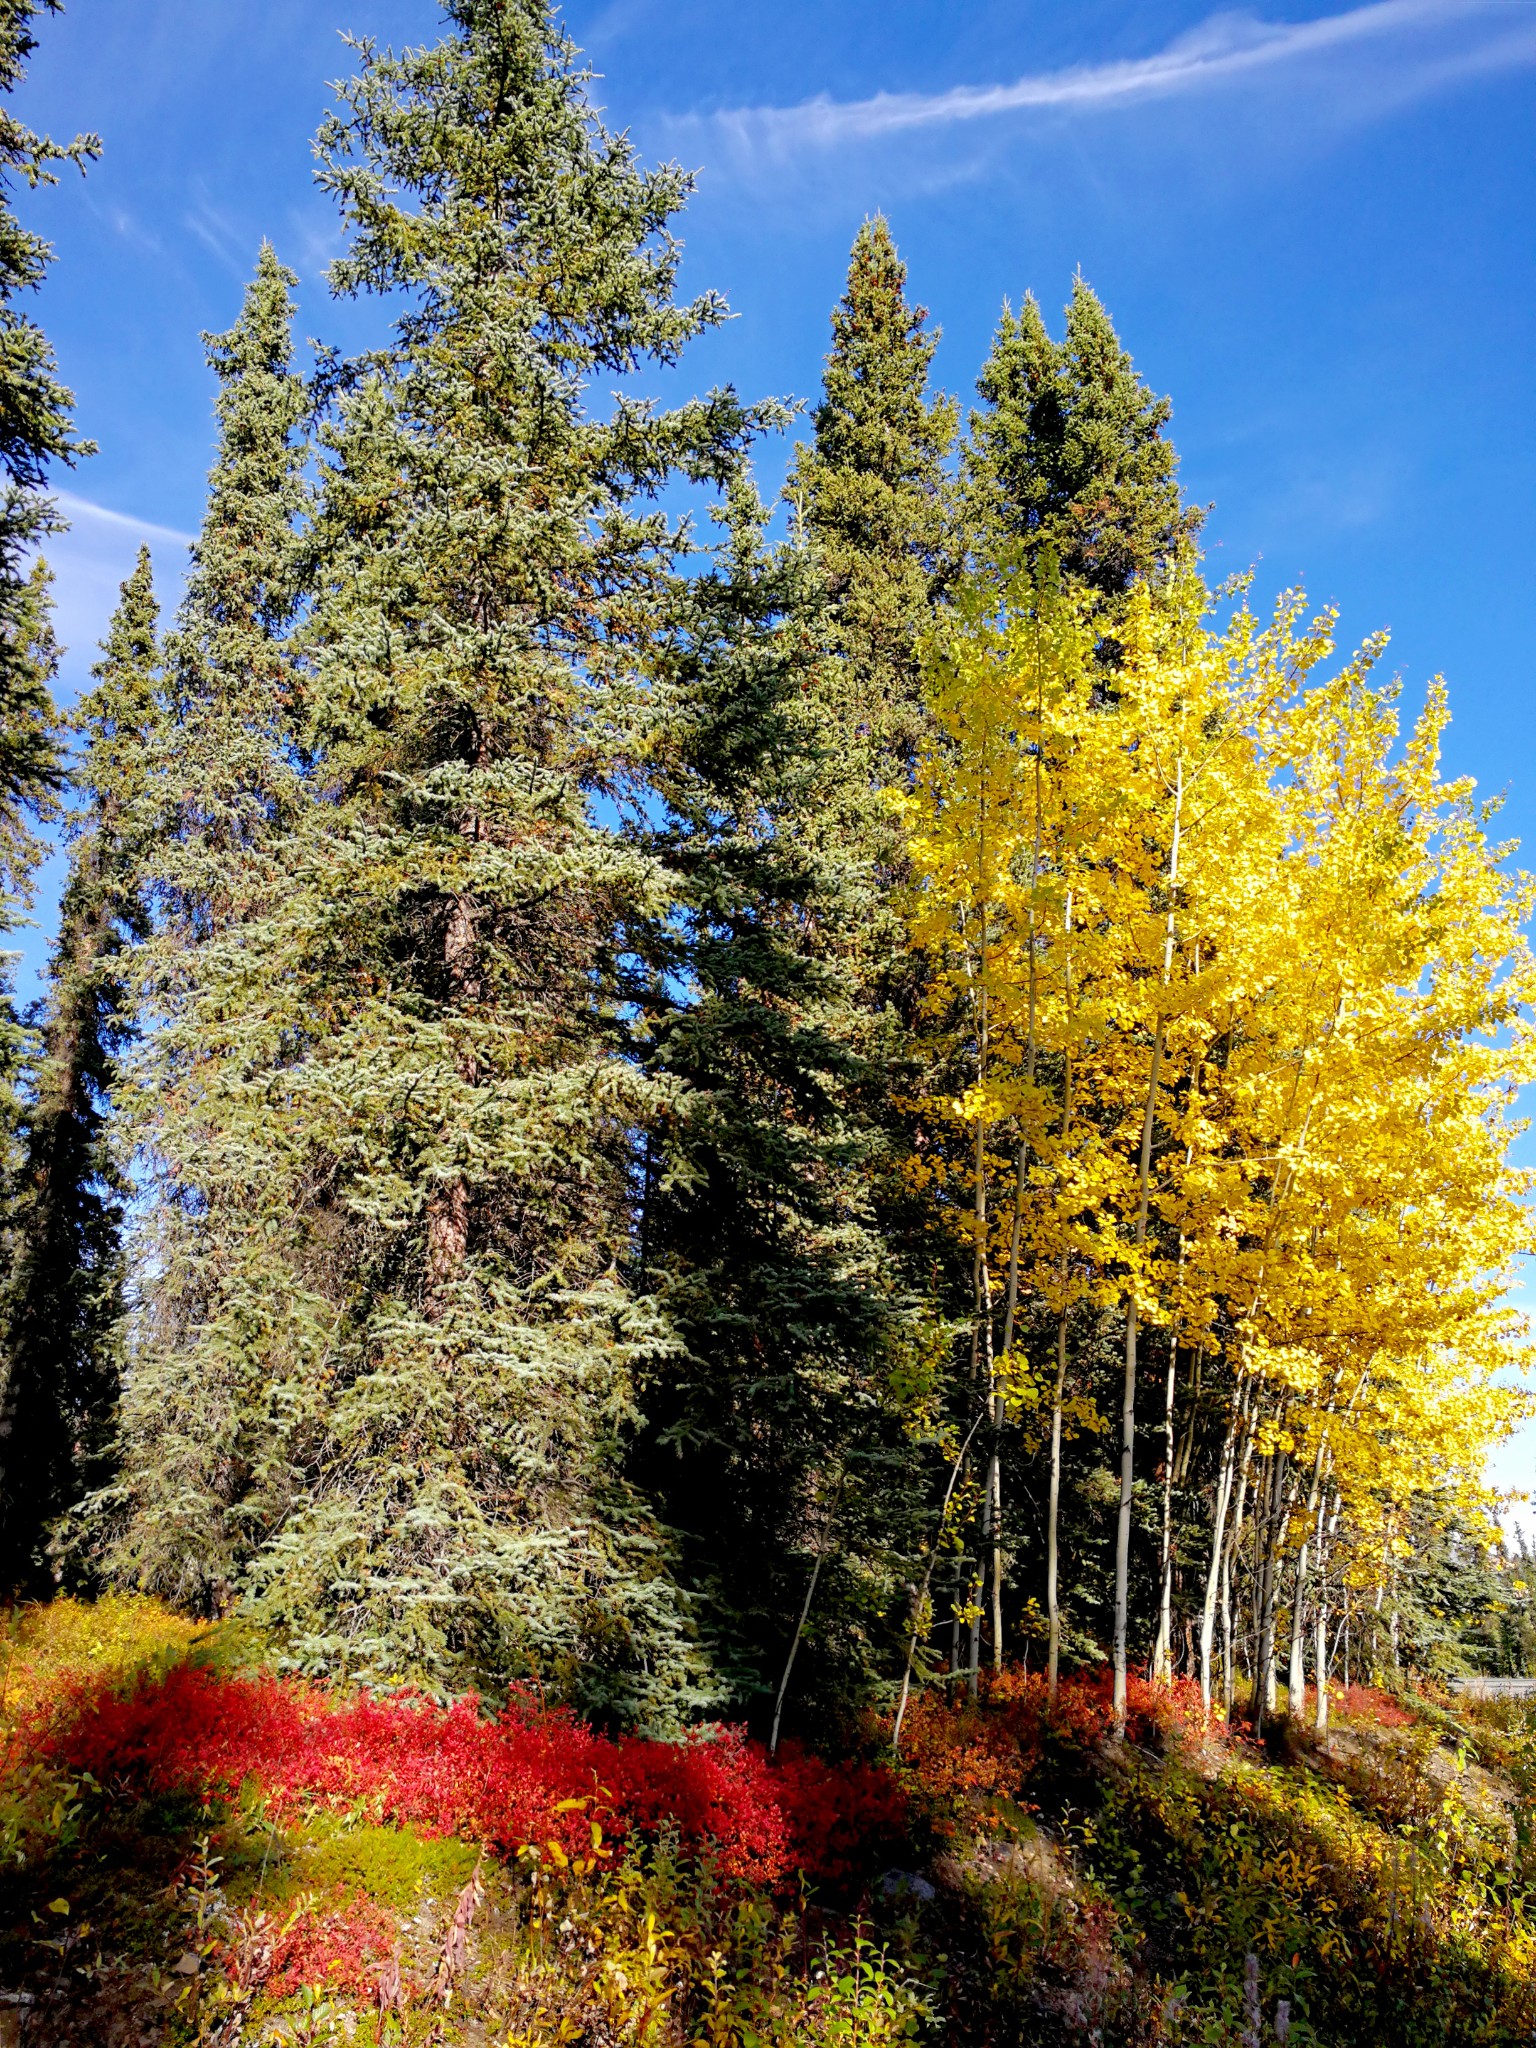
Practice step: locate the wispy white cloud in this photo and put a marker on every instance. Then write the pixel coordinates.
(314, 240)
(218, 233)
(617, 20)
(1222, 51)
(127, 224)
(85, 512)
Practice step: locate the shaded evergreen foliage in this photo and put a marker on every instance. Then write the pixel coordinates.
(1067, 454)
(36, 430)
(775, 1447)
(797, 702)
(64, 1302)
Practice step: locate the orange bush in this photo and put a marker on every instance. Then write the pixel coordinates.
(992, 1746)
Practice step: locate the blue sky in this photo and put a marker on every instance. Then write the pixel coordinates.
(1314, 226)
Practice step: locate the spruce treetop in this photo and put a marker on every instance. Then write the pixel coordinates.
(1067, 453)
(497, 530)
(871, 489)
(241, 591)
(492, 133)
(36, 429)
(118, 718)
(240, 561)
(226, 763)
(35, 423)
(875, 415)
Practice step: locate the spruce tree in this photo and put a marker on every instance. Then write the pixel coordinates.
(778, 1450)
(36, 430)
(63, 1307)
(1067, 457)
(871, 489)
(36, 424)
(876, 510)
(230, 761)
(32, 772)
(224, 775)
(415, 1083)
(774, 1449)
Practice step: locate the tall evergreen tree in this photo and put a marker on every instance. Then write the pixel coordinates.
(1067, 454)
(36, 430)
(774, 1448)
(878, 512)
(63, 1306)
(415, 1083)
(225, 774)
(230, 762)
(778, 1450)
(36, 422)
(31, 776)
(871, 489)
(32, 771)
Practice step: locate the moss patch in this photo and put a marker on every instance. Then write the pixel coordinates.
(396, 1866)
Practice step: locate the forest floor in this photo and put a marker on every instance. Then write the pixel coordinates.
(193, 1852)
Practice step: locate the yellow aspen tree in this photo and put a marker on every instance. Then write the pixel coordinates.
(1185, 870)
(1378, 1093)
(1008, 677)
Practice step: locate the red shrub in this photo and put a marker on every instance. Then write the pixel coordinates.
(1366, 1703)
(340, 1946)
(838, 1814)
(501, 1781)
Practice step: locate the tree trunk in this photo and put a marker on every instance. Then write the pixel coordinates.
(447, 1241)
(995, 1518)
(1123, 1518)
(1053, 1514)
(794, 1645)
(1310, 1555)
(1229, 1674)
(920, 1604)
(1322, 1660)
(954, 1631)
(1053, 1517)
(1162, 1653)
(1226, 1478)
(448, 1204)
(1128, 1392)
(1269, 1534)
(1296, 1673)
(1128, 1408)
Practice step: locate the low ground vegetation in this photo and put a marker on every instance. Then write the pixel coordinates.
(197, 1852)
